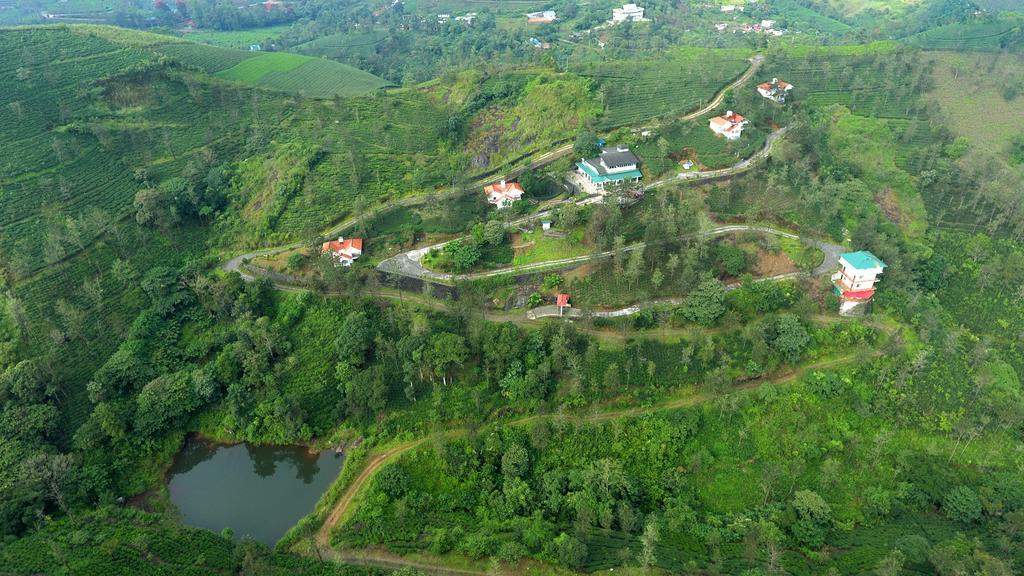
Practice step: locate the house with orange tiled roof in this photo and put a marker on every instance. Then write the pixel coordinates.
(343, 250)
(730, 125)
(775, 90)
(503, 194)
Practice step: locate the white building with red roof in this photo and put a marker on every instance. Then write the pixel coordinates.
(343, 250)
(730, 125)
(775, 90)
(503, 194)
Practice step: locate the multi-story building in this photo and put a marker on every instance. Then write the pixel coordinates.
(854, 283)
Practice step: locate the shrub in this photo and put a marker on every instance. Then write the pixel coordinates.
(962, 504)
(568, 550)
(511, 552)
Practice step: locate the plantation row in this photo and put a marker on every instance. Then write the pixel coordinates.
(886, 85)
(380, 146)
(320, 78)
(636, 91)
(128, 542)
(209, 58)
(89, 329)
(990, 34)
(45, 97)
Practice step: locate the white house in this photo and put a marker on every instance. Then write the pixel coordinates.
(627, 12)
(342, 250)
(610, 168)
(545, 17)
(775, 90)
(854, 283)
(730, 125)
(767, 24)
(503, 194)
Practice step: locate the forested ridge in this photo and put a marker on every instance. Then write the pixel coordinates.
(731, 425)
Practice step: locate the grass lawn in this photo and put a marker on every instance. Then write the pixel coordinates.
(545, 248)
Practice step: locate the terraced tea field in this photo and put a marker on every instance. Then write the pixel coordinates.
(882, 82)
(636, 91)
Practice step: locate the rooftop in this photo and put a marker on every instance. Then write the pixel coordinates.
(618, 158)
(862, 260)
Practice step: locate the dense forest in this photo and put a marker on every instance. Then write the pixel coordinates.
(653, 379)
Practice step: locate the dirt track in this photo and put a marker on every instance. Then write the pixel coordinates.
(385, 560)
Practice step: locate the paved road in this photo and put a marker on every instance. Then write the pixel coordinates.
(828, 264)
(234, 264)
(410, 263)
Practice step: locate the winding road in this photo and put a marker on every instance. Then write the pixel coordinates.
(409, 264)
(344, 505)
(234, 263)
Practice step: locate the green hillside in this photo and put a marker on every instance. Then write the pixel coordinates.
(993, 33)
(313, 77)
(97, 117)
(664, 376)
(636, 90)
(126, 542)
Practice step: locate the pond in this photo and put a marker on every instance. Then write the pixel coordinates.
(257, 491)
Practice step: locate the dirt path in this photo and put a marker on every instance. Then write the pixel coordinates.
(385, 560)
(755, 64)
(234, 263)
(323, 535)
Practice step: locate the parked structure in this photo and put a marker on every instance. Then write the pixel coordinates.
(503, 194)
(775, 90)
(730, 125)
(343, 251)
(627, 12)
(854, 283)
(611, 167)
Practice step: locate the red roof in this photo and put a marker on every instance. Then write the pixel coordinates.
(728, 122)
(345, 247)
(503, 188)
(562, 300)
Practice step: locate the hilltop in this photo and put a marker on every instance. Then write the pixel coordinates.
(571, 324)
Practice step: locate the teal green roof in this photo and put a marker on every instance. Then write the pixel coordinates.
(862, 260)
(597, 178)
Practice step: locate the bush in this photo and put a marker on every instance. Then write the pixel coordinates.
(511, 552)
(568, 550)
(962, 504)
